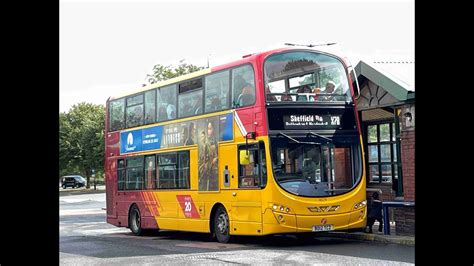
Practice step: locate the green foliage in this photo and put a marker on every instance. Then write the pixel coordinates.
(325, 75)
(372, 133)
(81, 140)
(161, 72)
(384, 132)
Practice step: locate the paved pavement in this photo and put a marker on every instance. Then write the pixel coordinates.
(85, 238)
(378, 237)
(375, 236)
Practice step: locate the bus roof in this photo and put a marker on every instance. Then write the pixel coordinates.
(164, 83)
(245, 59)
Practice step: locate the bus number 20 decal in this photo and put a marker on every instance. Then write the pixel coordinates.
(187, 206)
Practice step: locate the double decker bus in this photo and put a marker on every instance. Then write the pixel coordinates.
(268, 144)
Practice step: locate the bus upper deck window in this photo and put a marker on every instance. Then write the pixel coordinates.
(243, 86)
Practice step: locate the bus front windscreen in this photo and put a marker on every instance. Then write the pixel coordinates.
(315, 170)
(305, 77)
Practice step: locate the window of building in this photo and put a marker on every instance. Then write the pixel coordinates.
(121, 174)
(173, 170)
(382, 153)
(243, 86)
(217, 92)
(135, 111)
(150, 107)
(134, 173)
(117, 114)
(166, 103)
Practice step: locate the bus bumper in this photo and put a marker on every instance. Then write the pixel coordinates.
(278, 223)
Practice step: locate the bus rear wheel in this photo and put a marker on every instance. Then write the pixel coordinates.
(221, 225)
(134, 221)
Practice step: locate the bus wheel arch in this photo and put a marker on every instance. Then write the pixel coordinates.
(211, 219)
(219, 218)
(134, 220)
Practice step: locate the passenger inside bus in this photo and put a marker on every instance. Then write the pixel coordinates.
(247, 97)
(330, 86)
(286, 98)
(304, 97)
(270, 98)
(197, 105)
(166, 110)
(215, 105)
(316, 91)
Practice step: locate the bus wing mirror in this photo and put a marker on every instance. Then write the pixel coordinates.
(355, 82)
(244, 157)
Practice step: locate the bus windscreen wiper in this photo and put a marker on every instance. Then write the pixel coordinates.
(297, 141)
(319, 136)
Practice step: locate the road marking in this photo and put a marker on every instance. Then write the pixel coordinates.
(211, 245)
(80, 212)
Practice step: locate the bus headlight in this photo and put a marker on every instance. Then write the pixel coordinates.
(281, 208)
(360, 204)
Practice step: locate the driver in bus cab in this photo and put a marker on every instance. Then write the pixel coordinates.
(310, 166)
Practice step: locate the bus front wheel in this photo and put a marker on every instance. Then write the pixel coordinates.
(134, 221)
(221, 225)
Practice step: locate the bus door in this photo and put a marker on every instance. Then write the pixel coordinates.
(251, 178)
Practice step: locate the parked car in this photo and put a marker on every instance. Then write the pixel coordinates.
(73, 181)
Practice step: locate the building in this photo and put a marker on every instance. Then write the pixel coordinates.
(386, 108)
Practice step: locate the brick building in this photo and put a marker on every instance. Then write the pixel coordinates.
(387, 111)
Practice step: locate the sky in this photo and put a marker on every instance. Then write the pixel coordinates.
(108, 47)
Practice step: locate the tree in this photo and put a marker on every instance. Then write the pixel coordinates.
(81, 140)
(161, 72)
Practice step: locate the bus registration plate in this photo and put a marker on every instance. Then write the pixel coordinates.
(320, 228)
